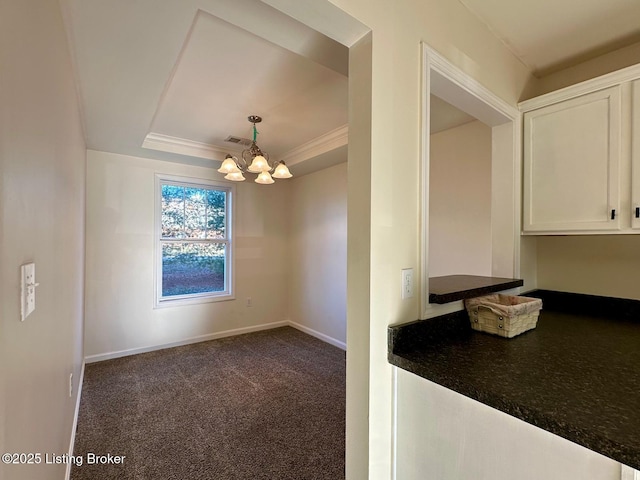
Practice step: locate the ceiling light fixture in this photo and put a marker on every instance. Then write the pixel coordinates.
(254, 160)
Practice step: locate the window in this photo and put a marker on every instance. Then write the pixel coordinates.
(194, 240)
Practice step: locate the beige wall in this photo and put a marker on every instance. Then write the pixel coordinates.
(42, 182)
(460, 201)
(120, 314)
(317, 257)
(383, 223)
(358, 259)
(592, 264)
(384, 211)
(393, 208)
(601, 65)
(290, 258)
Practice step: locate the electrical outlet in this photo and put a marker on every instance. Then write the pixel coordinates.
(407, 282)
(249, 303)
(70, 385)
(27, 290)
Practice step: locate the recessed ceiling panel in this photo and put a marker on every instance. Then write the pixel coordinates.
(226, 73)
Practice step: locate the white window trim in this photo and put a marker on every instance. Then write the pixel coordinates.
(197, 298)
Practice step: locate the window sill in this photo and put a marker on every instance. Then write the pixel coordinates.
(181, 302)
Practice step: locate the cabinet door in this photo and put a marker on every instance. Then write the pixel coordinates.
(571, 158)
(635, 155)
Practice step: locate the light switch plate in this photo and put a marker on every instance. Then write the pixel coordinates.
(28, 290)
(407, 282)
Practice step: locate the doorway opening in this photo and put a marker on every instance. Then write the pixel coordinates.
(470, 180)
(326, 18)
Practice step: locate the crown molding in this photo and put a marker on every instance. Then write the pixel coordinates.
(322, 144)
(182, 146)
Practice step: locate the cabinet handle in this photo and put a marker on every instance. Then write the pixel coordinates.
(613, 213)
(637, 212)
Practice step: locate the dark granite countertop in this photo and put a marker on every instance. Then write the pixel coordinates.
(458, 287)
(575, 375)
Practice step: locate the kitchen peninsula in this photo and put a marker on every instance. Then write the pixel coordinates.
(576, 375)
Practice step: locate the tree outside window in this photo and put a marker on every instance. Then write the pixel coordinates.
(194, 240)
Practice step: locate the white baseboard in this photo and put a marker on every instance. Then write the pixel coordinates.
(321, 336)
(212, 336)
(75, 421)
(201, 338)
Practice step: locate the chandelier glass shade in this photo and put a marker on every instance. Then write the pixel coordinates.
(254, 160)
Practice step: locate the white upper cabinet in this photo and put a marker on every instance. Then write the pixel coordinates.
(581, 163)
(635, 155)
(571, 158)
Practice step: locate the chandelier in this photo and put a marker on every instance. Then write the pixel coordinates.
(254, 160)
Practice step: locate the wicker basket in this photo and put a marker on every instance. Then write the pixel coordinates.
(503, 315)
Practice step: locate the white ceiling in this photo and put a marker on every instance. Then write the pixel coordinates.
(172, 79)
(548, 35)
(175, 82)
(213, 90)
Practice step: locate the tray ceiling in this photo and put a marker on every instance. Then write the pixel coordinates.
(174, 83)
(180, 77)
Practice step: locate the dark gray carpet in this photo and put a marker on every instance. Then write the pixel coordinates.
(266, 405)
